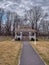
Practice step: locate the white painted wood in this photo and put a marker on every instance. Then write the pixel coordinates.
(20, 35)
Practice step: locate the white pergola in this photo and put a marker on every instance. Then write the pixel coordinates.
(29, 30)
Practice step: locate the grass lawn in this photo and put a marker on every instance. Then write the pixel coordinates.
(43, 48)
(9, 51)
(5, 38)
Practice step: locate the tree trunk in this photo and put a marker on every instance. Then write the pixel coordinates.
(0, 27)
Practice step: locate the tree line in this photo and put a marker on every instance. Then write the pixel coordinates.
(34, 15)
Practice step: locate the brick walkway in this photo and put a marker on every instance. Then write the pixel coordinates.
(29, 56)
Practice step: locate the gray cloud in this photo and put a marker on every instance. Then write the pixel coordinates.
(20, 6)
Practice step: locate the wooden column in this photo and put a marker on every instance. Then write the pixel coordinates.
(29, 35)
(15, 32)
(15, 36)
(20, 35)
(35, 37)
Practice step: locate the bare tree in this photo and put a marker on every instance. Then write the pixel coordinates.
(34, 15)
(43, 26)
(1, 14)
(37, 13)
(16, 23)
(44, 23)
(8, 24)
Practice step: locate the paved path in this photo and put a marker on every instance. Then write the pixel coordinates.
(29, 56)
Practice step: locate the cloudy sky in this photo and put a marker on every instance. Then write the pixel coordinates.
(20, 6)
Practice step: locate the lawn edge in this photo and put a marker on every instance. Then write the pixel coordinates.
(39, 55)
(20, 55)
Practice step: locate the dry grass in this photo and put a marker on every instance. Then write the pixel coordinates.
(5, 38)
(43, 48)
(9, 52)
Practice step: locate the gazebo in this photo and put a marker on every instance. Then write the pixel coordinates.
(25, 32)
